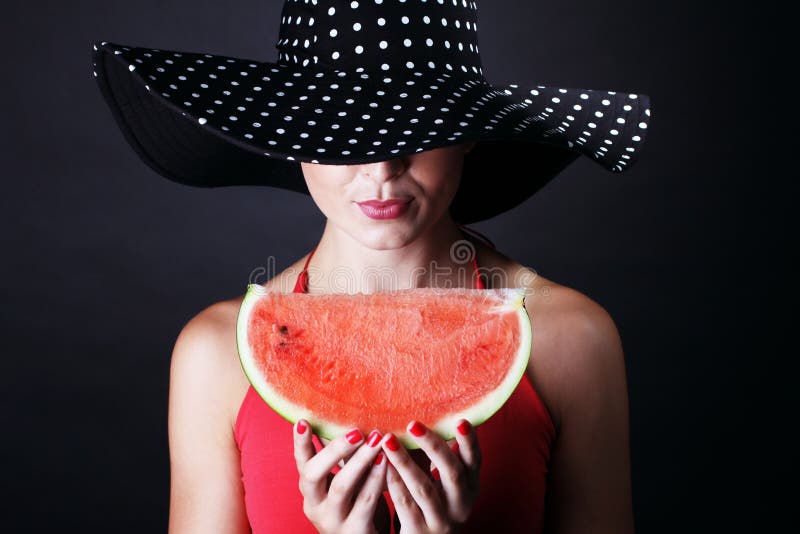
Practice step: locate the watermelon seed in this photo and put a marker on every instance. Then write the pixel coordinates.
(283, 330)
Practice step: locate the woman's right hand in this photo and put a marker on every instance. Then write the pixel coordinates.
(345, 502)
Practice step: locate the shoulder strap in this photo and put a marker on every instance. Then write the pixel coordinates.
(301, 284)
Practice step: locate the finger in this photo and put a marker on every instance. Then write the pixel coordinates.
(405, 507)
(371, 491)
(303, 452)
(453, 444)
(324, 442)
(314, 476)
(449, 469)
(303, 446)
(468, 449)
(421, 488)
(345, 483)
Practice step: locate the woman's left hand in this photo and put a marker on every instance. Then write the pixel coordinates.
(442, 500)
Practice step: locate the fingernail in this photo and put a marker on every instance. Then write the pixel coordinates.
(463, 427)
(379, 458)
(374, 438)
(417, 429)
(435, 474)
(392, 443)
(301, 427)
(354, 436)
(455, 447)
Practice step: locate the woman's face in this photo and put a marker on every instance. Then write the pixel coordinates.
(429, 179)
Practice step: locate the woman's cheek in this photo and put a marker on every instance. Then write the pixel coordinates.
(327, 192)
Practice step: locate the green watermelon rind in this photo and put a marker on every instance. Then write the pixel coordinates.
(512, 299)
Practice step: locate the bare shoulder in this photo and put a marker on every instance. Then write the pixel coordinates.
(205, 484)
(577, 355)
(206, 346)
(205, 355)
(577, 367)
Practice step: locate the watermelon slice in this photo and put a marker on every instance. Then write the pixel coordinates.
(381, 360)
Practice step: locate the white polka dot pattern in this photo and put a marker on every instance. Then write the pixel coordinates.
(365, 81)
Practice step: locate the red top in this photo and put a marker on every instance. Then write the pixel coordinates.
(515, 444)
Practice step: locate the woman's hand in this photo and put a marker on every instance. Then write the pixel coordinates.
(442, 501)
(344, 502)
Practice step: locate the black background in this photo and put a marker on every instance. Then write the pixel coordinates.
(104, 261)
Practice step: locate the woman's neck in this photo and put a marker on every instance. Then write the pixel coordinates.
(439, 257)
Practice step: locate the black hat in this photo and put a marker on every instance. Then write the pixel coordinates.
(358, 82)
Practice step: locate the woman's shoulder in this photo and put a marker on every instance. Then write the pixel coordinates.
(578, 351)
(206, 345)
(205, 356)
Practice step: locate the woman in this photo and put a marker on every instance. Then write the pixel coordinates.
(576, 367)
(374, 108)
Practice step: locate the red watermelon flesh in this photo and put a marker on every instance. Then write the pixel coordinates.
(381, 360)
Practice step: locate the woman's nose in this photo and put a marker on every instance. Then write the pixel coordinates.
(383, 170)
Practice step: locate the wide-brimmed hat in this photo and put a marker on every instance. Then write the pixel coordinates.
(358, 82)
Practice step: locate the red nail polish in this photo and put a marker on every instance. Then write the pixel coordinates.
(392, 443)
(417, 429)
(301, 427)
(374, 438)
(379, 458)
(354, 436)
(455, 447)
(435, 474)
(463, 427)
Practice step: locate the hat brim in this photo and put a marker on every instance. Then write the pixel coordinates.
(211, 120)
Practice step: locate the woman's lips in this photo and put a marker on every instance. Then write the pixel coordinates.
(384, 203)
(384, 209)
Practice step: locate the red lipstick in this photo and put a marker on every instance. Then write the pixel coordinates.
(384, 209)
